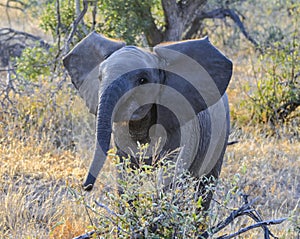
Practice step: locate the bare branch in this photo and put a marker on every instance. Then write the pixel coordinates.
(86, 235)
(94, 14)
(74, 26)
(232, 142)
(244, 210)
(220, 13)
(58, 26)
(259, 224)
(13, 7)
(223, 13)
(12, 43)
(7, 5)
(78, 12)
(11, 33)
(107, 209)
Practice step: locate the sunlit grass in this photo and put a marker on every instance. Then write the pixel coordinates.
(33, 195)
(34, 179)
(35, 173)
(267, 169)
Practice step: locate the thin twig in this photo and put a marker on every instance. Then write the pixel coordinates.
(244, 210)
(12, 7)
(222, 13)
(94, 14)
(7, 31)
(86, 235)
(259, 224)
(75, 25)
(106, 208)
(114, 214)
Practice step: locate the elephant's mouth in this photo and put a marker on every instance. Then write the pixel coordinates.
(141, 113)
(139, 127)
(131, 111)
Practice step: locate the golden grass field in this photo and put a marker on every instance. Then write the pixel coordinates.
(35, 174)
(35, 178)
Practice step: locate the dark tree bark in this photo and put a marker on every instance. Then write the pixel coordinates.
(179, 16)
(183, 21)
(153, 35)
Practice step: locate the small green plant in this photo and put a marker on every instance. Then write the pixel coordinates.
(277, 96)
(50, 22)
(142, 206)
(147, 208)
(35, 63)
(278, 89)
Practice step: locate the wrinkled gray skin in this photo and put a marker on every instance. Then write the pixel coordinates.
(106, 73)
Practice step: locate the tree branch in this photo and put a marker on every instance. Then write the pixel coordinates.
(58, 26)
(153, 34)
(244, 210)
(87, 235)
(78, 12)
(11, 33)
(94, 14)
(74, 26)
(220, 13)
(256, 225)
(7, 5)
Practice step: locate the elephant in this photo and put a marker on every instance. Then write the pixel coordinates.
(174, 93)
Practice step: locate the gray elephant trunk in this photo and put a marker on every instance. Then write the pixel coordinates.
(106, 107)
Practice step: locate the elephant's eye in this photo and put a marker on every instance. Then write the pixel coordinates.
(143, 81)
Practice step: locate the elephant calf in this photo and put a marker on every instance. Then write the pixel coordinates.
(174, 93)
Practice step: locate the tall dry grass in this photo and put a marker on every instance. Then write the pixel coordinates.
(44, 150)
(35, 176)
(36, 171)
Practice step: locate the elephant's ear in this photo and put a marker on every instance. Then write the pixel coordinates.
(197, 70)
(82, 63)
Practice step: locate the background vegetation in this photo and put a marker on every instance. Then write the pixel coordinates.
(46, 133)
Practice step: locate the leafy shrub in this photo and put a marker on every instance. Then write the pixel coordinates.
(277, 70)
(50, 22)
(146, 209)
(277, 94)
(130, 19)
(35, 63)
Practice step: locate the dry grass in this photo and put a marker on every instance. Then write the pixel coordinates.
(35, 175)
(34, 179)
(267, 169)
(33, 192)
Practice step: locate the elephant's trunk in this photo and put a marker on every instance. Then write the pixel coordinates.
(108, 101)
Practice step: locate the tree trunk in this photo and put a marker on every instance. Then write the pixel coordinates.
(183, 20)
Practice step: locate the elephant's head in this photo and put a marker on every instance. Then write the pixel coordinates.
(125, 84)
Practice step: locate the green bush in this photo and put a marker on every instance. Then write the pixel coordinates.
(35, 63)
(146, 209)
(129, 19)
(277, 95)
(49, 18)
